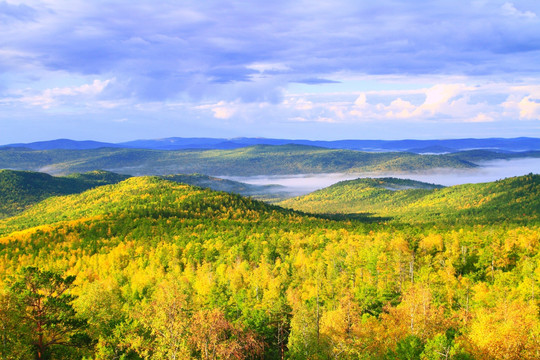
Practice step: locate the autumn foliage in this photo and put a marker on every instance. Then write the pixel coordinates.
(152, 269)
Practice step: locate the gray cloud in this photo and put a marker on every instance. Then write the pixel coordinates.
(194, 44)
(21, 12)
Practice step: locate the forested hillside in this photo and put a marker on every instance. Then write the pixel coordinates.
(149, 268)
(512, 199)
(254, 160)
(20, 189)
(261, 192)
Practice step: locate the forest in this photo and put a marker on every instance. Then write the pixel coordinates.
(148, 268)
(251, 160)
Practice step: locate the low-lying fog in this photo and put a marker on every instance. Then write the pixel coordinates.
(488, 171)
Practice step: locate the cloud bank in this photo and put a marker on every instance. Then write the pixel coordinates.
(238, 68)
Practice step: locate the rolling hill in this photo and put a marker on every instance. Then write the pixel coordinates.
(136, 196)
(159, 267)
(254, 160)
(511, 199)
(21, 189)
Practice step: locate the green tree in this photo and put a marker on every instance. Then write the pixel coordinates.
(47, 311)
(14, 344)
(408, 348)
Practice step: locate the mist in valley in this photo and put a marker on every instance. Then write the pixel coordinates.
(487, 171)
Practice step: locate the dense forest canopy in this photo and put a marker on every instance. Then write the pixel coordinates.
(148, 268)
(413, 201)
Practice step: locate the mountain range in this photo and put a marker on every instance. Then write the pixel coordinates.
(247, 161)
(415, 146)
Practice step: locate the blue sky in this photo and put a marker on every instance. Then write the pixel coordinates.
(123, 70)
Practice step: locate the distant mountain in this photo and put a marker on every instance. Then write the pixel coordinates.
(248, 161)
(62, 144)
(416, 146)
(175, 143)
(477, 156)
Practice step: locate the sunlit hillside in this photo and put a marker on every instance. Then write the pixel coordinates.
(20, 189)
(164, 269)
(514, 199)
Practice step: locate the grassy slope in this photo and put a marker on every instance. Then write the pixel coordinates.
(513, 199)
(255, 160)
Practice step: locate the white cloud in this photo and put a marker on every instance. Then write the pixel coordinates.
(221, 110)
(400, 109)
(509, 9)
(263, 67)
(299, 104)
(523, 102)
(450, 100)
(298, 119)
(438, 96)
(55, 96)
(529, 108)
(361, 101)
(480, 118)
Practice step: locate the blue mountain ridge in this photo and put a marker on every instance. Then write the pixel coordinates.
(410, 145)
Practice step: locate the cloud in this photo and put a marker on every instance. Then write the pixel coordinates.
(298, 104)
(221, 110)
(316, 81)
(523, 102)
(510, 10)
(55, 96)
(401, 109)
(414, 61)
(361, 101)
(481, 118)
(191, 47)
(529, 108)
(268, 67)
(440, 100)
(20, 12)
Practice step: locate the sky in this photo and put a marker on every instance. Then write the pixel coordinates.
(121, 70)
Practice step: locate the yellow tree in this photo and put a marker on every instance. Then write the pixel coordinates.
(509, 331)
(214, 337)
(340, 327)
(168, 319)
